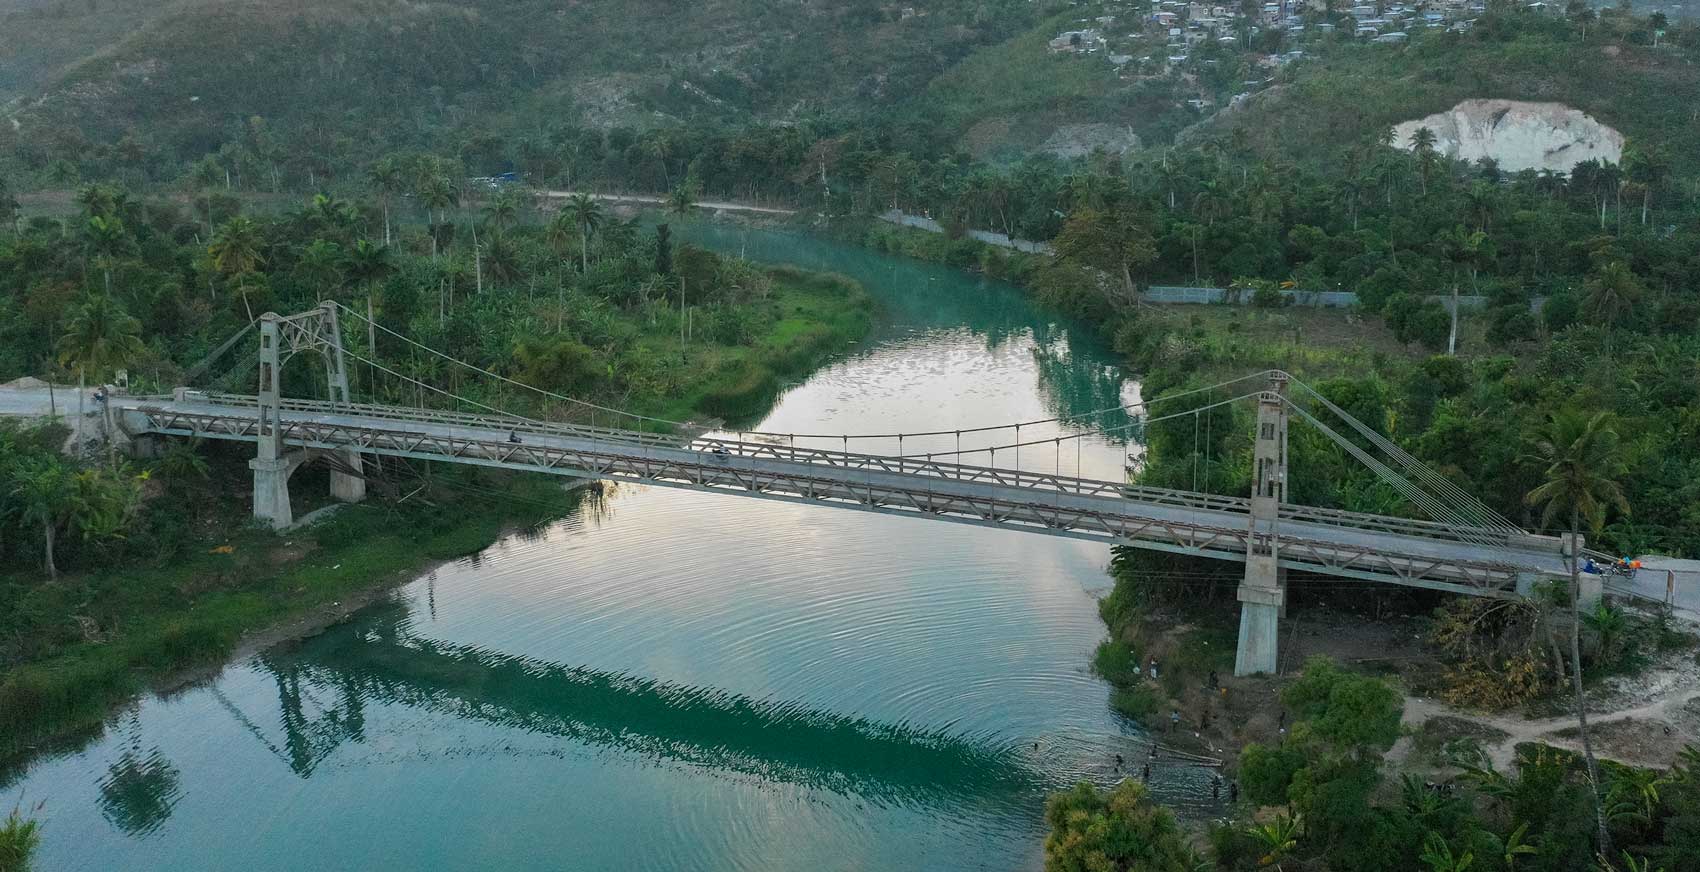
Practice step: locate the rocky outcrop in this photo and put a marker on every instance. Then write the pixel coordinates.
(1518, 135)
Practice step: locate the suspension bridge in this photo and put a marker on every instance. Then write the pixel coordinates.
(1462, 547)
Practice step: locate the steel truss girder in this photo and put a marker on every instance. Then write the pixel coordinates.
(1025, 506)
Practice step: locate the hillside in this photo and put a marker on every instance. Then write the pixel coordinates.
(343, 75)
(44, 37)
(1356, 91)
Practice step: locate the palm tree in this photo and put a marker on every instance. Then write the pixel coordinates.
(588, 214)
(385, 177)
(1422, 143)
(369, 263)
(1581, 458)
(1277, 838)
(438, 193)
(681, 201)
(328, 214)
(321, 266)
(105, 239)
(1463, 248)
(44, 491)
(101, 336)
(236, 248)
(1609, 295)
(502, 210)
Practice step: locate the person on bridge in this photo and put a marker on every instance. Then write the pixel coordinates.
(513, 436)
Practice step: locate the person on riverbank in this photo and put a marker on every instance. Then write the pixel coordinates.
(1174, 719)
(1153, 669)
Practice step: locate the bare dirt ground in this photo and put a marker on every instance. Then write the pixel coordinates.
(1645, 719)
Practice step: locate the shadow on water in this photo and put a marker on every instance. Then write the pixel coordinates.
(325, 685)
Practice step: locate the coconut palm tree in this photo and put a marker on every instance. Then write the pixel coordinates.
(438, 193)
(105, 239)
(236, 248)
(100, 337)
(321, 267)
(386, 179)
(1609, 295)
(369, 263)
(1581, 460)
(587, 213)
(502, 210)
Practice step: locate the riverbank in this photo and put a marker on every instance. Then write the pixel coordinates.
(86, 643)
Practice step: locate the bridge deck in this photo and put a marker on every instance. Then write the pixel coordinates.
(1336, 543)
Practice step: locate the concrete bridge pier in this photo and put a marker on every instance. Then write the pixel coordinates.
(1263, 602)
(349, 486)
(1263, 592)
(271, 488)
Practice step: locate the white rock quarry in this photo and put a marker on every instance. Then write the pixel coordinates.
(1519, 135)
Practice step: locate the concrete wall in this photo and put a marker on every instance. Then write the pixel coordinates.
(1172, 294)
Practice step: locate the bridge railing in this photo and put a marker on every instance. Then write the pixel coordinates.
(504, 423)
(1390, 524)
(1128, 520)
(906, 465)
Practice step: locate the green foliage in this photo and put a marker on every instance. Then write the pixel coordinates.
(1266, 772)
(1119, 829)
(1354, 714)
(19, 837)
(1117, 662)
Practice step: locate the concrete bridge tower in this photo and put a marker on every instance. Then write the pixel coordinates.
(281, 338)
(1263, 592)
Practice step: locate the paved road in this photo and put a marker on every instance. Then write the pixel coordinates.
(31, 402)
(715, 205)
(1666, 579)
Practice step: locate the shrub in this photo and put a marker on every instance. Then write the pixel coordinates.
(1117, 662)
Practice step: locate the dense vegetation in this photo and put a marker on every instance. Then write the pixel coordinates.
(110, 580)
(1329, 804)
(1575, 400)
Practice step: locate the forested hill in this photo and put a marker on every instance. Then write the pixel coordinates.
(1358, 90)
(354, 73)
(759, 98)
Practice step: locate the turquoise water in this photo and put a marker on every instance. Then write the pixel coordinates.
(678, 680)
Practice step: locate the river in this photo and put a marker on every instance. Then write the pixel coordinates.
(678, 680)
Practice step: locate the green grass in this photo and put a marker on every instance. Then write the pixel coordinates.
(192, 611)
(814, 316)
(1117, 662)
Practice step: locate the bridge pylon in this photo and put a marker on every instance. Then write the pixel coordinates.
(282, 337)
(1263, 591)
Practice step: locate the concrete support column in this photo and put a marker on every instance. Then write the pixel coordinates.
(271, 489)
(1262, 600)
(347, 487)
(1263, 593)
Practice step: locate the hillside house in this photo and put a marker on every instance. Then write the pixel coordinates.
(1077, 41)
